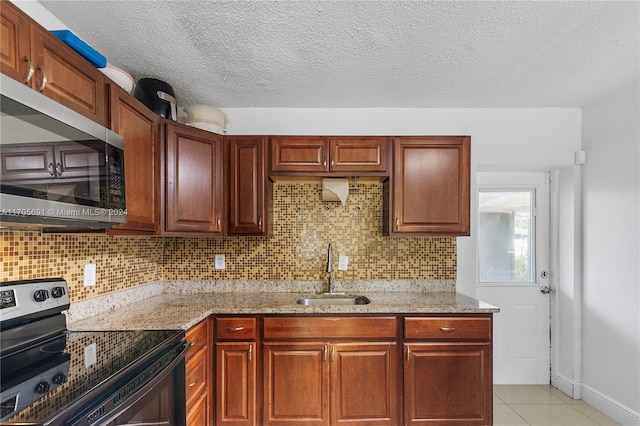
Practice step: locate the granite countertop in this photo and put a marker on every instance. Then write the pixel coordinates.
(180, 311)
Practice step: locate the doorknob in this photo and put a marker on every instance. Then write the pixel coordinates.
(546, 289)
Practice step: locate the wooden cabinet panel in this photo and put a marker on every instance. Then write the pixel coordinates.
(236, 383)
(140, 129)
(296, 384)
(30, 54)
(448, 384)
(199, 374)
(198, 412)
(14, 42)
(248, 185)
(236, 328)
(196, 376)
(358, 154)
(329, 156)
(194, 187)
(329, 327)
(430, 186)
(299, 154)
(448, 328)
(364, 382)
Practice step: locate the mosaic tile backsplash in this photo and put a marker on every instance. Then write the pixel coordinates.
(303, 226)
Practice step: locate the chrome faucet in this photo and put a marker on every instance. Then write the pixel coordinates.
(330, 269)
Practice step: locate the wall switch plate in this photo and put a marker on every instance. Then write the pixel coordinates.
(89, 274)
(90, 355)
(343, 263)
(219, 261)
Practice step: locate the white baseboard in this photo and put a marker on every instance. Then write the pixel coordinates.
(610, 407)
(566, 385)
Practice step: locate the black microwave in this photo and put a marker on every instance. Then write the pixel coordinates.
(58, 169)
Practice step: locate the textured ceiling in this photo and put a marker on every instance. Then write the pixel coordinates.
(368, 53)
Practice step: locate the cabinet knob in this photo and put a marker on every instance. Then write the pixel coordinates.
(50, 168)
(29, 76)
(59, 169)
(324, 163)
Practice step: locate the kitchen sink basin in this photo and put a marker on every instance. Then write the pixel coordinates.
(333, 299)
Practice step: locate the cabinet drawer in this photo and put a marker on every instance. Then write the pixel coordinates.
(198, 335)
(329, 327)
(447, 328)
(196, 376)
(236, 328)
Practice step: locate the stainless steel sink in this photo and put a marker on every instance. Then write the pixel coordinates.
(333, 299)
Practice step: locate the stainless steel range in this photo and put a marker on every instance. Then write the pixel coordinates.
(51, 376)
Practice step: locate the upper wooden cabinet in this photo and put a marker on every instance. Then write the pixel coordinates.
(429, 190)
(30, 54)
(249, 185)
(329, 156)
(140, 129)
(194, 194)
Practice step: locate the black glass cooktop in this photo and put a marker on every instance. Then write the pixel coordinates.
(74, 366)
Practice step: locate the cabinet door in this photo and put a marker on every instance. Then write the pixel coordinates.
(448, 384)
(364, 380)
(14, 43)
(194, 198)
(197, 414)
(140, 129)
(431, 186)
(296, 384)
(358, 154)
(299, 154)
(248, 185)
(64, 76)
(236, 383)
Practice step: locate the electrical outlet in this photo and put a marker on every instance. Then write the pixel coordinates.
(90, 355)
(89, 274)
(219, 263)
(343, 263)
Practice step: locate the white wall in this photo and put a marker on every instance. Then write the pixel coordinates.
(611, 237)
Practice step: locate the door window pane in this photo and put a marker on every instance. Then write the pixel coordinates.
(506, 236)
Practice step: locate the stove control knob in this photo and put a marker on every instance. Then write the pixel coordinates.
(57, 292)
(42, 388)
(59, 379)
(41, 295)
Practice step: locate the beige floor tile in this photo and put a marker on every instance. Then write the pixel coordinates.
(552, 415)
(505, 416)
(596, 416)
(526, 394)
(563, 396)
(496, 399)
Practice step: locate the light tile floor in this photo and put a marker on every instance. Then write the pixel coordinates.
(542, 405)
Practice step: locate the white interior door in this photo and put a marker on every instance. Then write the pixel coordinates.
(512, 273)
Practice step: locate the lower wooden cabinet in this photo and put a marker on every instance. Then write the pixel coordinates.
(198, 377)
(360, 370)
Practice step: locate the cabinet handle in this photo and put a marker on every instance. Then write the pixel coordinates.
(408, 353)
(397, 223)
(324, 163)
(333, 353)
(260, 222)
(59, 169)
(324, 354)
(447, 329)
(333, 163)
(218, 223)
(29, 76)
(234, 329)
(44, 79)
(50, 168)
(194, 382)
(250, 352)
